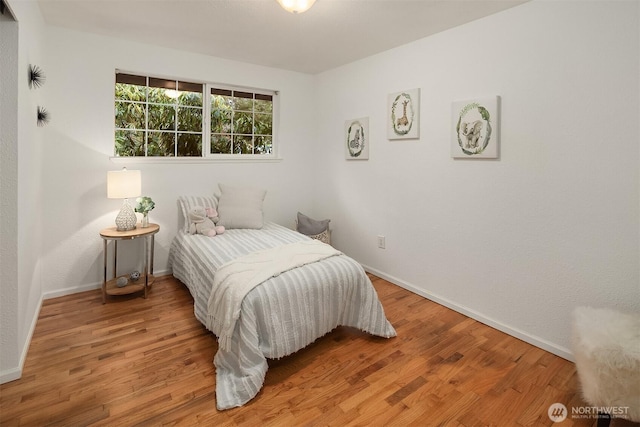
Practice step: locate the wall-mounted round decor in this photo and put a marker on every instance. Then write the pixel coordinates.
(43, 116)
(36, 77)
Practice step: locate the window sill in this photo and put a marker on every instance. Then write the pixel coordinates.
(191, 160)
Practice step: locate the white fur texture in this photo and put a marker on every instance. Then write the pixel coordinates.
(606, 345)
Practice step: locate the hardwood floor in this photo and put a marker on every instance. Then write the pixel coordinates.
(150, 362)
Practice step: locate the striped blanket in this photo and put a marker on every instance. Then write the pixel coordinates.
(235, 279)
(281, 315)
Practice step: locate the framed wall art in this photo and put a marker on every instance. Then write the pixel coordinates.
(404, 115)
(475, 128)
(356, 139)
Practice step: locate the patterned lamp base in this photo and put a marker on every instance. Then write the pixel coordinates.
(126, 219)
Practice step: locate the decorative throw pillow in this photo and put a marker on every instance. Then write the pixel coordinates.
(240, 207)
(310, 226)
(189, 202)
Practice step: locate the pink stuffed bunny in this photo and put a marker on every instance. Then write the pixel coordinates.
(201, 223)
(212, 214)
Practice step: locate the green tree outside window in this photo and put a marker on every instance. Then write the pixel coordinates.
(156, 117)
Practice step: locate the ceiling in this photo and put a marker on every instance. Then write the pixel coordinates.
(330, 34)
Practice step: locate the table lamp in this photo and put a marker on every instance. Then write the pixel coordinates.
(123, 185)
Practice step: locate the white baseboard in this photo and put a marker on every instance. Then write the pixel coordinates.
(89, 287)
(563, 352)
(10, 375)
(16, 373)
(68, 291)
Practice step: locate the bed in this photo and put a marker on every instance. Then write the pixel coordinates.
(282, 314)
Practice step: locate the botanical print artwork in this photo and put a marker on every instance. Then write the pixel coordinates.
(475, 133)
(357, 139)
(404, 114)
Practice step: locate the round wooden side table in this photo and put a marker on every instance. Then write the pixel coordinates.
(109, 287)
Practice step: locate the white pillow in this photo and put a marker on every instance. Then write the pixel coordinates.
(189, 202)
(240, 207)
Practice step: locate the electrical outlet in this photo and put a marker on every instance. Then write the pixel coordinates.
(381, 242)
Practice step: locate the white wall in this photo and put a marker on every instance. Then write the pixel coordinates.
(517, 242)
(80, 138)
(21, 191)
(9, 194)
(62, 167)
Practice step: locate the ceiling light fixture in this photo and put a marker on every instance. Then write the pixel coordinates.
(296, 6)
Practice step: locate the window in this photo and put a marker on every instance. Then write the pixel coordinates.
(241, 122)
(157, 117)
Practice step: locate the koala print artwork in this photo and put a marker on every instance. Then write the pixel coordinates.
(475, 129)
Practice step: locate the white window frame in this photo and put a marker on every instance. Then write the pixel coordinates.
(206, 155)
(274, 125)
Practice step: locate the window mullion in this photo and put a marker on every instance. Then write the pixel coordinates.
(233, 113)
(175, 124)
(146, 118)
(206, 120)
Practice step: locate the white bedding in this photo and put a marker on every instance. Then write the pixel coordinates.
(284, 313)
(235, 279)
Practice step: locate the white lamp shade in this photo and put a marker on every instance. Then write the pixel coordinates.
(296, 6)
(124, 184)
